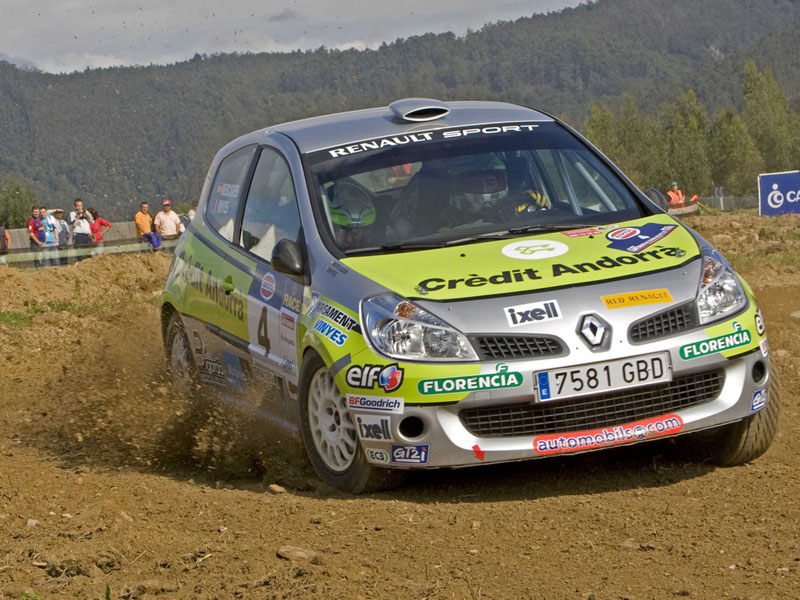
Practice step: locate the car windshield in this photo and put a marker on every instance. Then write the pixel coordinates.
(450, 186)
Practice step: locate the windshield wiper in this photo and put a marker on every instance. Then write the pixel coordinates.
(395, 247)
(548, 228)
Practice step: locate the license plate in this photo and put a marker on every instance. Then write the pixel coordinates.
(601, 377)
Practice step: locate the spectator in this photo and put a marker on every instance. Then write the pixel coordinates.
(144, 227)
(167, 222)
(675, 196)
(62, 233)
(36, 234)
(50, 236)
(192, 212)
(98, 227)
(81, 222)
(5, 241)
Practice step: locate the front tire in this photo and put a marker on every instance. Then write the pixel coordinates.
(329, 434)
(745, 440)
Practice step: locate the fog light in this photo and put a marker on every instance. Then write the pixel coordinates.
(412, 427)
(759, 372)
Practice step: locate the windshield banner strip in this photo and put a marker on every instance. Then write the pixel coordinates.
(433, 135)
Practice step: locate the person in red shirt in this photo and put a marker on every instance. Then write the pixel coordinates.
(36, 235)
(99, 227)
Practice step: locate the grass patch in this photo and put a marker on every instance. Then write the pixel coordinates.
(13, 319)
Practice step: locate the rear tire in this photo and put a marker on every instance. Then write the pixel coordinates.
(329, 434)
(745, 440)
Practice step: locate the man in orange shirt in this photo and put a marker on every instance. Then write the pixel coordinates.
(144, 227)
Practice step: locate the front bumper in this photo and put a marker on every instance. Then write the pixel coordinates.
(478, 431)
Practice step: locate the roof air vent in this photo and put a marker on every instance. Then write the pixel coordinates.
(416, 110)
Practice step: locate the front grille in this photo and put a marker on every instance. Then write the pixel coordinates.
(593, 412)
(672, 321)
(509, 347)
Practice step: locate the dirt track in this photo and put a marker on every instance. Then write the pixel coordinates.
(92, 449)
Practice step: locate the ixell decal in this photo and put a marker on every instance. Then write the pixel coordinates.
(389, 377)
(559, 443)
(533, 312)
(636, 239)
(740, 337)
(374, 428)
(535, 249)
(503, 378)
(637, 298)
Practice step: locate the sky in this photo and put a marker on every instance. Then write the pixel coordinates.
(61, 36)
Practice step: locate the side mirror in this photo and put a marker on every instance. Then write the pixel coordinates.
(287, 258)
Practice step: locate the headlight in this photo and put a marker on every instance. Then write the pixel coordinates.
(720, 294)
(400, 329)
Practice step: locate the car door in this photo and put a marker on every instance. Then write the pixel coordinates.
(216, 316)
(274, 299)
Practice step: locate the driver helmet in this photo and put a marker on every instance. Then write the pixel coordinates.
(479, 183)
(352, 215)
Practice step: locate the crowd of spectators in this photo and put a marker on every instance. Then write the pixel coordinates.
(49, 234)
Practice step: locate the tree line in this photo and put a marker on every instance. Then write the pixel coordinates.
(117, 136)
(702, 152)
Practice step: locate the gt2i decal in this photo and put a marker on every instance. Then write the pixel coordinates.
(532, 312)
(503, 378)
(636, 239)
(560, 443)
(329, 331)
(637, 298)
(729, 341)
(385, 404)
(760, 399)
(411, 455)
(374, 428)
(389, 377)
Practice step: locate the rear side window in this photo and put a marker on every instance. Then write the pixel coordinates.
(223, 203)
(270, 213)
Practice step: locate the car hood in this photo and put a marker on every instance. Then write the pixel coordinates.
(531, 263)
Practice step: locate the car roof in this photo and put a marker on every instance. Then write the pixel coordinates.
(327, 131)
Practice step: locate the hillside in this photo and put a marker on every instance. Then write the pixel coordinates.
(118, 135)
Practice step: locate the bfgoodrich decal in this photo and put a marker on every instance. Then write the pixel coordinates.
(740, 337)
(384, 404)
(637, 431)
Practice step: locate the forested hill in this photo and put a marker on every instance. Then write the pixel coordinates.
(120, 135)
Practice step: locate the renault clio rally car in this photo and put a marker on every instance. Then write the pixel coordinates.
(439, 284)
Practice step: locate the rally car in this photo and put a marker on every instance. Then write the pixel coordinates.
(436, 284)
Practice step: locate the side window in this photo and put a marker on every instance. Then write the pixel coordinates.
(223, 203)
(270, 213)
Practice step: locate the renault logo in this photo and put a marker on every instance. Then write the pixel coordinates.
(595, 332)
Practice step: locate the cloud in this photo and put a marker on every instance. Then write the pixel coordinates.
(288, 14)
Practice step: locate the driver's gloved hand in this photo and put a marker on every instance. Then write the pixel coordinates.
(538, 199)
